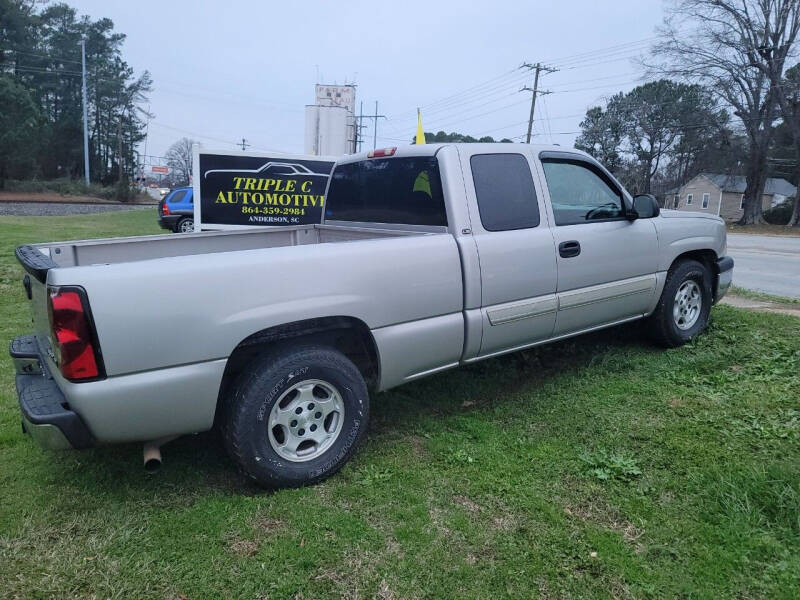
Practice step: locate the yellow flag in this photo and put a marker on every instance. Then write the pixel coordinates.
(420, 130)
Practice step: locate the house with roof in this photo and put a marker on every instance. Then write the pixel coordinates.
(723, 195)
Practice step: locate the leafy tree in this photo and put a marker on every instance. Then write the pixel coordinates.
(659, 116)
(19, 120)
(601, 135)
(458, 138)
(39, 49)
(658, 134)
(179, 159)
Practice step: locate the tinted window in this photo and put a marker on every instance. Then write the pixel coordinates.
(177, 197)
(579, 193)
(387, 190)
(504, 188)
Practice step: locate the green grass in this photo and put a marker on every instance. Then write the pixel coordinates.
(593, 468)
(754, 295)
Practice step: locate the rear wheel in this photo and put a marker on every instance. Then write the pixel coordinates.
(296, 417)
(185, 225)
(685, 304)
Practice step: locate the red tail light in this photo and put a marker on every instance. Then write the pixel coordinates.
(164, 208)
(74, 342)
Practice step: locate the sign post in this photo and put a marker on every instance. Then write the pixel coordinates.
(235, 190)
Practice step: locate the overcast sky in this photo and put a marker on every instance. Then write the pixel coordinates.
(223, 71)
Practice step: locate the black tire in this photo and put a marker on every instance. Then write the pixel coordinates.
(244, 422)
(663, 327)
(182, 222)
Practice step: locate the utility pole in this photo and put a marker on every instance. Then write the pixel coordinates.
(85, 113)
(244, 144)
(535, 91)
(375, 118)
(375, 128)
(360, 127)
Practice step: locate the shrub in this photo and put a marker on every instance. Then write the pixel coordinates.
(780, 214)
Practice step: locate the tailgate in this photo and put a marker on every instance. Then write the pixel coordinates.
(35, 262)
(37, 265)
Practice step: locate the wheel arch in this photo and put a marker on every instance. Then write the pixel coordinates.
(706, 257)
(349, 335)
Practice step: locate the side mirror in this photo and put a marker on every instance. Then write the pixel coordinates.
(646, 206)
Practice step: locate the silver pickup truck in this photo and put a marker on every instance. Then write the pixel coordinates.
(429, 257)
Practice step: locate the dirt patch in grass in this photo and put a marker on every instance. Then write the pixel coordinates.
(268, 526)
(765, 306)
(468, 504)
(241, 547)
(608, 518)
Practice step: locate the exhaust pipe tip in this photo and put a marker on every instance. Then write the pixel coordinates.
(152, 465)
(151, 453)
(152, 458)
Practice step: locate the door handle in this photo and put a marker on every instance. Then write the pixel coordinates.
(569, 249)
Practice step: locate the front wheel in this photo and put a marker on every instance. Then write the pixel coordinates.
(296, 417)
(685, 304)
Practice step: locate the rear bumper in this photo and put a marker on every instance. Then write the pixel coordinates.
(724, 270)
(46, 416)
(168, 221)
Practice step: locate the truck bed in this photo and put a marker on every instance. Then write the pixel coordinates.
(132, 249)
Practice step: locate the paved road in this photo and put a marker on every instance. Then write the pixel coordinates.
(52, 209)
(766, 263)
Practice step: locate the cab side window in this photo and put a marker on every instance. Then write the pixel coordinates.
(580, 193)
(505, 192)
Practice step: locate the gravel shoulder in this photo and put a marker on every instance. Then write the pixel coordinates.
(47, 209)
(53, 197)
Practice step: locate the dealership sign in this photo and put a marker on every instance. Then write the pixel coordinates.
(245, 189)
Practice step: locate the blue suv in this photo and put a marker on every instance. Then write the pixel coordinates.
(176, 211)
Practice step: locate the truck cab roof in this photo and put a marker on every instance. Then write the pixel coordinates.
(408, 150)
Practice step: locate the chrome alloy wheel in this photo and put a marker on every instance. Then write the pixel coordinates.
(306, 420)
(688, 304)
(187, 226)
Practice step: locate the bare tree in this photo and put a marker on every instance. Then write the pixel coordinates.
(729, 46)
(179, 159)
(791, 92)
(769, 54)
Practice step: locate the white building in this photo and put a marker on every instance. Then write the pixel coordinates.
(331, 122)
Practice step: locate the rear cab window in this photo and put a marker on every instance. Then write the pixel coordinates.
(396, 190)
(504, 190)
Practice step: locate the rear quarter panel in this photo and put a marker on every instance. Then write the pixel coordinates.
(154, 314)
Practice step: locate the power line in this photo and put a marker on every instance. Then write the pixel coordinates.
(547, 120)
(50, 56)
(594, 53)
(45, 71)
